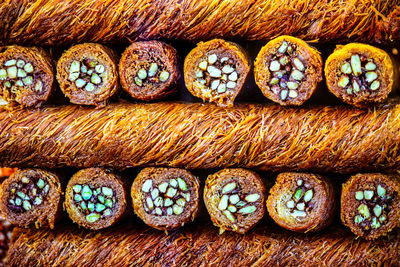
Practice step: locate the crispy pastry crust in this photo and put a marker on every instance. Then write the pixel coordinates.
(221, 48)
(65, 22)
(340, 139)
(165, 175)
(43, 69)
(313, 69)
(198, 245)
(365, 97)
(140, 55)
(81, 52)
(321, 205)
(44, 215)
(97, 178)
(246, 183)
(389, 204)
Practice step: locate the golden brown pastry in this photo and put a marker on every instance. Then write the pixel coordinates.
(58, 22)
(288, 70)
(87, 74)
(96, 198)
(360, 74)
(26, 75)
(301, 202)
(198, 245)
(337, 139)
(149, 70)
(370, 204)
(166, 198)
(216, 71)
(32, 198)
(234, 199)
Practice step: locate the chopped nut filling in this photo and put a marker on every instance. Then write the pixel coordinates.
(167, 198)
(287, 71)
(358, 73)
(217, 74)
(94, 202)
(233, 201)
(16, 74)
(299, 204)
(27, 193)
(151, 72)
(373, 208)
(87, 74)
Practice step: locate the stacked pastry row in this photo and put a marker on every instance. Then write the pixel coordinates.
(287, 70)
(337, 139)
(198, 244)
(169, 198)
(42, 22)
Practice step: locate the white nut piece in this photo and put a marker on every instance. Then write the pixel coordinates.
(274, 66)
(214, 72)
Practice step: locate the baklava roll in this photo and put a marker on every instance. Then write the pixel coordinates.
(87, 74)
(288, 70)
(234, 199)
(359, 74)
(31, 197)
(26, 75)
(370, 204)
(337, 139)
(301, 202)
(96, 198)
(109, 21)
(216, 71)
(149, 70)
(165, 198)
(197, 245)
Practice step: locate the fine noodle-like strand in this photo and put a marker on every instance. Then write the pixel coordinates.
(234, 199)
(301, 202)
(87, 74)
(360, 74)
(166, 198)
(198, 245)
(96, 198)
(288, 70)
(340, 139)
(31, 198)
(26, 75)
(370, 204)
(149, 70)
(65, 22)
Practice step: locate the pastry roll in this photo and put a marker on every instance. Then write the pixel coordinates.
(87, 74)
(216, 71)
(288, 70)
(234, 199)
(165, 198)
(149, 70)
(359, 74)
(301, 202)
(198, 245)
(26, 75)
(96, 198)
(31, 197)
(127, 21)
(336, 139)
(370, 204)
